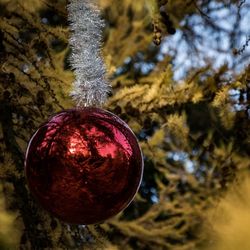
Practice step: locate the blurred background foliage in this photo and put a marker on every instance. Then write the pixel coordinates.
(180, 77)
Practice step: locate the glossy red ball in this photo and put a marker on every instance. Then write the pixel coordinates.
(84, 165)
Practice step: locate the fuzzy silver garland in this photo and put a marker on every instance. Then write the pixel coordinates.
(90, 87)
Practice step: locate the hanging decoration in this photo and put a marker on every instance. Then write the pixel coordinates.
(84, 165)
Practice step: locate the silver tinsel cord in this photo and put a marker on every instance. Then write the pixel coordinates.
(90, 87)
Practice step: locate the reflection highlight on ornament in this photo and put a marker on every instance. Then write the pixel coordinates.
(84, 166)
(77, 144)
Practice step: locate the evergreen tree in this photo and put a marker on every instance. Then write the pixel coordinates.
(181, 80)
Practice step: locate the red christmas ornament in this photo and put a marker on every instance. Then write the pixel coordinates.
(84, 165)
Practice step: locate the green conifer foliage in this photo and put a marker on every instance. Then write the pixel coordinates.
(194, 132)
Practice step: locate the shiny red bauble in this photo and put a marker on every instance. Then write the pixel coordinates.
(84, 165)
